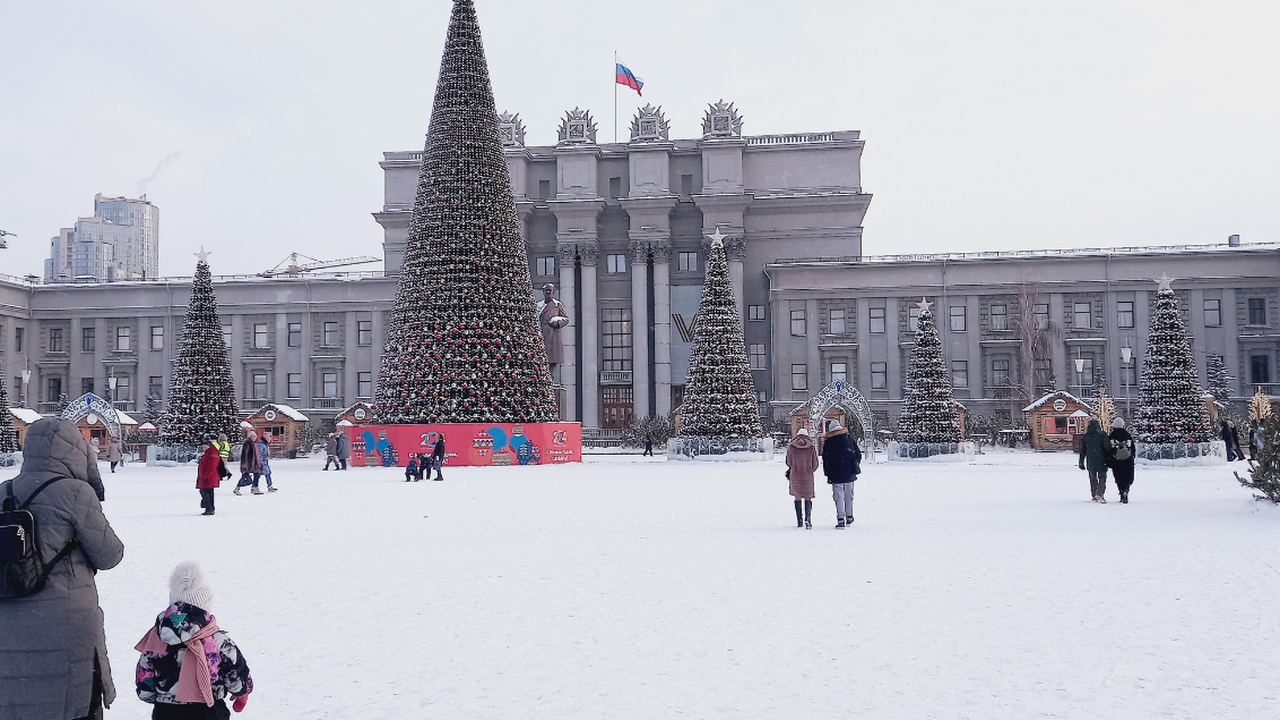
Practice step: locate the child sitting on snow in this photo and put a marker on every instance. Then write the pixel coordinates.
(167, 677)
(411, 472)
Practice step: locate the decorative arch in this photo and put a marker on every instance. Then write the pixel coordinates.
(842, 394)
(91, 405)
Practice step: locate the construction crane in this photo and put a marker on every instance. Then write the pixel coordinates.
(5, 243)
(292, 266)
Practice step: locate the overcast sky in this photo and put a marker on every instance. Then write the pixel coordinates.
(989, 124)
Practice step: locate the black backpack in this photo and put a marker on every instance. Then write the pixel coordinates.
(22, 571)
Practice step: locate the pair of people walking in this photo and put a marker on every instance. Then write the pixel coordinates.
(337, 450)
(255, 463)
(841, 464)
(1100, 451)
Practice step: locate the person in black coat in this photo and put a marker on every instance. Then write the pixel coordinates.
(437, 455)
(841, 463)
(1121, 468)
(1232, 441)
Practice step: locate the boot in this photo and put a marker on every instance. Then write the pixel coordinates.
(808, 511)
(799, 517)
(840, 524)
(1124, 498)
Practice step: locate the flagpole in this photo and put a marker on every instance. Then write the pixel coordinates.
(615, 96)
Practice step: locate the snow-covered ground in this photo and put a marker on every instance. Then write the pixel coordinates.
(637, 588)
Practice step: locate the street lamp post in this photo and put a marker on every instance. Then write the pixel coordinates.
(26, 378)
(111, 383)
(1126, 354)
(1080, 375)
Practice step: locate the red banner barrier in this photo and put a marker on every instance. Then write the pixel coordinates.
(467, 443)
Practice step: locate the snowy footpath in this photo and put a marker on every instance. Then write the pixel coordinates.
(637, 588)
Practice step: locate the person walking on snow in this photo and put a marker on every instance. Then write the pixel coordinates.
(1256, 442)
(250, 463)
(343, 449)
(331, 451)
(437, 455)
(264, 454)
(841, 461)
(113, 453)
(1232, 440)
(1122, 452)
(1093, 457)
(209, 475)
(802, 463)
(53, 648)
(171, 677)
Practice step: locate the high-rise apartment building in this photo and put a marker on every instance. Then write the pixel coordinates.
(121, 241)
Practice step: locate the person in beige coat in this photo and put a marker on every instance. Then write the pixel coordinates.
(802, 463)
(53, 650)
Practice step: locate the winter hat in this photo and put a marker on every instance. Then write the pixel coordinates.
(1117, 423)
(803, 431)
(187, 585)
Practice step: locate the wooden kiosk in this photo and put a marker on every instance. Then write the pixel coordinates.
(281, 425)
(1056, 419)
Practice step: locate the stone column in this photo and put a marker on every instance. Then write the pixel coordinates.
(568, 261)
(736, 250)
(662, 326)
(590, 334)
(640, 328)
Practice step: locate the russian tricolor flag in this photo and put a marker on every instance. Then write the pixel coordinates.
(628, 78)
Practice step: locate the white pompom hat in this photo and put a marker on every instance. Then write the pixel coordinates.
(187, 585)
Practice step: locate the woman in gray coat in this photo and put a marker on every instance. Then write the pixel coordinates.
(53, 651)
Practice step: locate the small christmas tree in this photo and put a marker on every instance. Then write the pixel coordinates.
(1171, 409)
(719, 395)
(1222, 385)
(463, 344)
(151, 411)
(202, 396)
(1104, 409)
(928, 406)
(1264, 471)
(8, 433)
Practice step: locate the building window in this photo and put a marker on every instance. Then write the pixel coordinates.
(1040, 316)
(800, 377)
(545, 266)
(879, 375)
(364, 333)
(226, 335)
(615, 187)
(1082, 315)
(688, 261)
(86, 386)
(913, 317)
(1257, 311)
(364, 384)
(260, 335)
(329, 383)
(124, 338)
(839, 372)
(837, 322)
(260, 385)
(124, 389)
(686, 185)
(755, 353)
(798, 324)
(1000, 372)
(999, 317)
(88, 339)
(755, 312)
(544, 189)
(17, 339)
(1124, 314)
(957, 318)
(1260, 369)
(157, 337)
(53, 390)
(1129, 373)
(617, 405)
(1084, 376)
(1213, 313)
(616, 338)
(331, 335)
(55, 340)
(960, 373)
(295, 385)
(616, 264)
(877, 320)
(295, 334)
(155, 386)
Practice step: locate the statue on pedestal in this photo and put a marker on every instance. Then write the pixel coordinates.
(552, 317)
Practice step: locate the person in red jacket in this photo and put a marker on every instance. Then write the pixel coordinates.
(209, 475)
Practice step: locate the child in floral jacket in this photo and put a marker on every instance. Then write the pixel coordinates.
(180, 689)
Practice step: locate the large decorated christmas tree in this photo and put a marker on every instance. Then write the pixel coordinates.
(8, 433)
(928, 405)
(463, 344)
(719, 395)
(1171, 408)
(202, 396)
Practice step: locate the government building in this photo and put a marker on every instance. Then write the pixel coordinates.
(621, 230)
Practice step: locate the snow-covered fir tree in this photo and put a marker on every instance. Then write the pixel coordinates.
(1222, 385)
(928, 405)
(719, 395)
(202, 396)
(8, 433)
(1264, 470)
(1171, 408)
(151, 410)
(463, 344)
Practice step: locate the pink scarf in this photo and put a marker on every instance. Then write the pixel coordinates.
(195, 680)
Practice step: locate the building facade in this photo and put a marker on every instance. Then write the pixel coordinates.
(121, 241)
